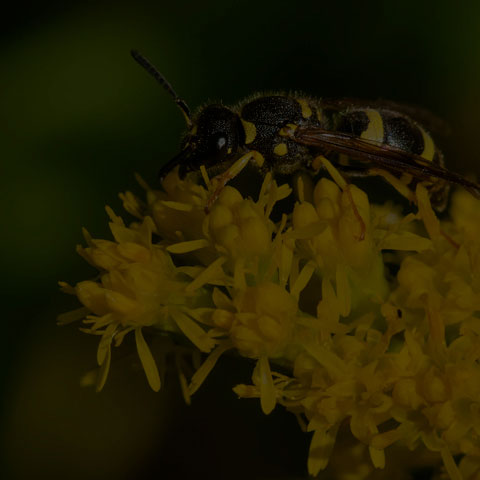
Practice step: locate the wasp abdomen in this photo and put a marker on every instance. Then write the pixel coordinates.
(390, 128)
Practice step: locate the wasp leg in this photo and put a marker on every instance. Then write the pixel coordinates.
(221, 180)
(397, 184)
(449, 239)
(345, 186)
(400, 186)
(394, 181)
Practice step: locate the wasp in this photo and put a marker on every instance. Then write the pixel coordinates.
(287, 133)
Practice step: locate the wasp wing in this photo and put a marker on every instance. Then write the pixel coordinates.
(425, 117)
(380, 155)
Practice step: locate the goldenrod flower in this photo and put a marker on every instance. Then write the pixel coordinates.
(139, 286)
(375, 314)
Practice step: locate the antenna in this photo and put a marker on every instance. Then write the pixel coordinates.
(142, 61)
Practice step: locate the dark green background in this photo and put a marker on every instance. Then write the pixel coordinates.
(79, 117)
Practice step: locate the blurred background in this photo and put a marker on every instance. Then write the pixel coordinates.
(79, 117)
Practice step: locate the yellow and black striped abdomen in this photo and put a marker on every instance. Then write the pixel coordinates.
(390, 128)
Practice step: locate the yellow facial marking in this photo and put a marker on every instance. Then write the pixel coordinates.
(280, 149)
(320, 115)
(306, 110)
(428, 146)
(374, 130)
(229, 151)
(250, 131)
(193, 131)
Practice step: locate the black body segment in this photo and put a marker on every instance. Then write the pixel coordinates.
(268, 115)
(274, 110)
(402, 133)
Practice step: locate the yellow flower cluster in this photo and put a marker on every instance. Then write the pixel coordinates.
(375, 314)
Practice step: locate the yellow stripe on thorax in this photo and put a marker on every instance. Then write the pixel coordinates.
(280, 149)
(428, 145)
(306, 110)
(250, 131)
(374, 130)
(319, 114)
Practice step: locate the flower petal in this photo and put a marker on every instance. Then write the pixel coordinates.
(193, 331)
(378, 457)
(201, 374)
(148, 363)
(450, 465)
(302, 279)
(104, 369)
(267, 388)
(72, 316)
(321, 447)
(190, 246)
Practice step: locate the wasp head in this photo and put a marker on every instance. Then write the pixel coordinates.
(215, 137)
